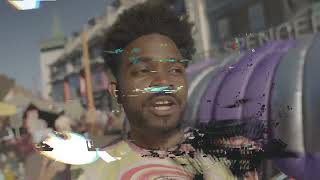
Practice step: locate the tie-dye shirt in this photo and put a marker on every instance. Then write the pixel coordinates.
(133, 166)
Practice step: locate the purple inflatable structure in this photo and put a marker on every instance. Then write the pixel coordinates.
(278, 82)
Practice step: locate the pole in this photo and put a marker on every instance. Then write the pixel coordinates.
(87, 71)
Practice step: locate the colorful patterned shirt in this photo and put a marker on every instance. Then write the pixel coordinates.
(134, 166)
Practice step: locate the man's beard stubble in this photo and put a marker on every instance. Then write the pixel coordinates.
(140, 121)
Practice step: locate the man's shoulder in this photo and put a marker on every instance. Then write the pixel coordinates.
(116, 148)
(80, 172)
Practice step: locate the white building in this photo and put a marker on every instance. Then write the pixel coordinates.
(50, 50)
(219, 22)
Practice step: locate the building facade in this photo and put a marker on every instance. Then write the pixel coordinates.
(216, 24)
(254, 21)
(50, 50)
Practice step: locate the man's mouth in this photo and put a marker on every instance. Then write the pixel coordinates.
(163, 105)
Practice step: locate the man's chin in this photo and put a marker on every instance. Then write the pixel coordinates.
(154, 122)
(163, 126)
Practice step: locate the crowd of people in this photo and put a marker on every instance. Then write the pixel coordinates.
(19, 157)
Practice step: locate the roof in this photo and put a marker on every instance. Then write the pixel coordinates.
(6, 84)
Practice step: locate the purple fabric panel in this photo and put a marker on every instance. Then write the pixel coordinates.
(230, 84)
(208, 99)
(259, 83)
(193, 69)
(312, 167)
(293, 167)
(306, 167)
(235, 83)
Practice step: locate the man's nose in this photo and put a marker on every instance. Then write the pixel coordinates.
(160, 79)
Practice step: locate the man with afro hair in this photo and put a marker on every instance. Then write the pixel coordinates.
(148, 49)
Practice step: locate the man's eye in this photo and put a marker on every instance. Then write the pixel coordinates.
(177, 71)
(141, 71)
(144, 70)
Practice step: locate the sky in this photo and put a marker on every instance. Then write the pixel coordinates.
(22, 31)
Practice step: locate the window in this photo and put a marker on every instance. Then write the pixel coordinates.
(76, 62)
(224, 30)
(60, 68)
(57, 91)
(74, 83)
(180, 7)
(95, 52)
(52, 71)
(256, 17)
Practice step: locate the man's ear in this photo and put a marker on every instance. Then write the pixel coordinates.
(113, 90)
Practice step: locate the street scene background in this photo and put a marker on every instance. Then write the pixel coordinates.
(44, 82)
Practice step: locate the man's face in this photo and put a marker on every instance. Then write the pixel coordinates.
(144, 64)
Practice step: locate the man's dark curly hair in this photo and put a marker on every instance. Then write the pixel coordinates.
(142, 19)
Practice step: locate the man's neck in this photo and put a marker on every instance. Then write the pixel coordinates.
(156, 140)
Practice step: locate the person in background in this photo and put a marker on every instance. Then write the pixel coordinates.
(64, 123)
(37, 127)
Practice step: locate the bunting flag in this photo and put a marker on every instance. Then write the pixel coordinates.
(83, 90)
(95, 79)
(105, 80)
(66, 90)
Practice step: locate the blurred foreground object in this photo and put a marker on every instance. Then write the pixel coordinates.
(63, 123)
(73, 109)
(7, 109)
(23, 5)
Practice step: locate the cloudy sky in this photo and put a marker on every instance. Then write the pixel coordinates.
(21, 32)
